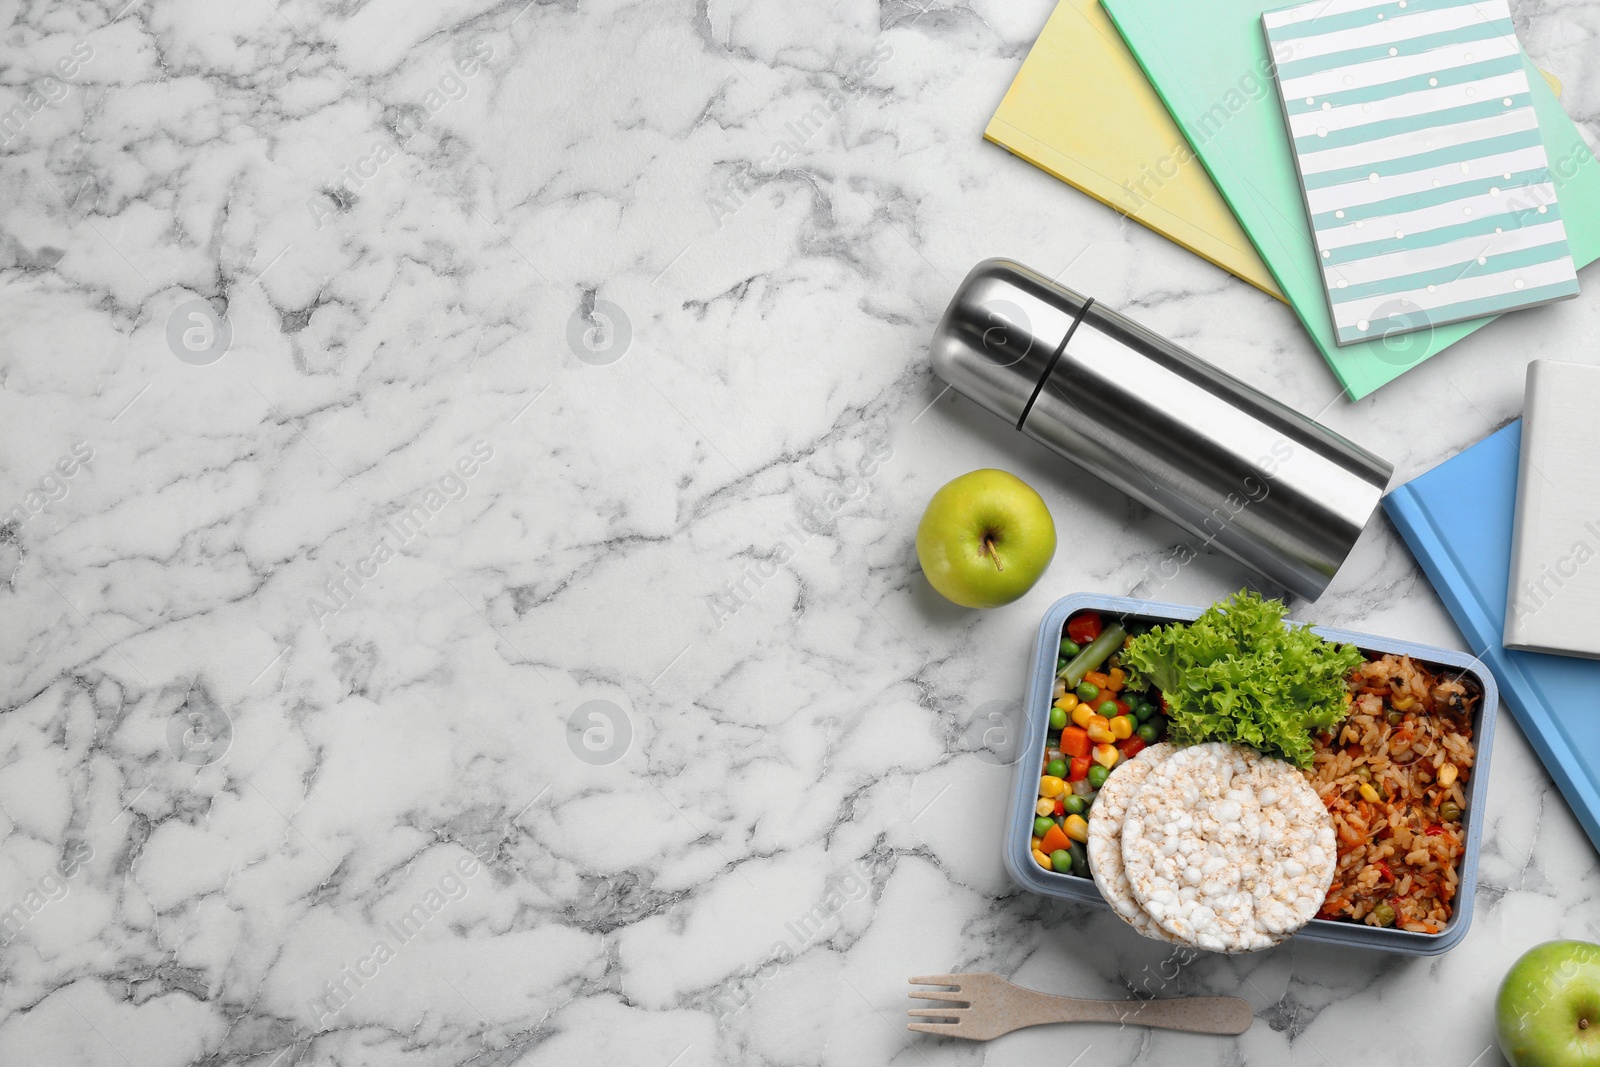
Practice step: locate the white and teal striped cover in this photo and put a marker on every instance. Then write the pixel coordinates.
(1425, 178)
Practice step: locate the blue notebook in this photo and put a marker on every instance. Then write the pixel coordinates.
(1457, 520)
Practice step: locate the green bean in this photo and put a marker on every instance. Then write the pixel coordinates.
(1095, 653)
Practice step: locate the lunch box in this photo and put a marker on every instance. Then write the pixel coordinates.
(1030, 876)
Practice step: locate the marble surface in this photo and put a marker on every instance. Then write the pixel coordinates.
(498, 639)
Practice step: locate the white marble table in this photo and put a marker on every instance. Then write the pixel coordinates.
(576, 353)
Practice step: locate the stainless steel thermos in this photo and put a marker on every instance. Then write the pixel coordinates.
(1278, 492)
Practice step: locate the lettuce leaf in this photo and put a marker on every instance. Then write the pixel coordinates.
(1240, 674)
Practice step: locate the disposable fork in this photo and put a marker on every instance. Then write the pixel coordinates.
(984, 1006)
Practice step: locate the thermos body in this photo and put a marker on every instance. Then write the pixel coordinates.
(1250, 477)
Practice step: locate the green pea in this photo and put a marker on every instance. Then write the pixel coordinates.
(1061, 860)
(1057, 767)
(1384, 912)
(1080, 859)
(1041, 825)
(1098, 775)
(1075, 805)
(1069, 647)
(1108, 709)
(1149, 734)
(1058, 718)
(1449, 811)
(1087, 690)
(1143, 710)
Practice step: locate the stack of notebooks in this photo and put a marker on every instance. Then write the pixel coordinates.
(1508, 533)
(1397, 171)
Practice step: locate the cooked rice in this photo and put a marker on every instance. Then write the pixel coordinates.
(1399, 850)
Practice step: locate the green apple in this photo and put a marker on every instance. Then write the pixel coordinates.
(985, 539)
(1548, 1011)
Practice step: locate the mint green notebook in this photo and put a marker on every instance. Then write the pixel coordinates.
(1209, 63)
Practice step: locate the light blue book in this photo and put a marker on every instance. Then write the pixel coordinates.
(1457, 520)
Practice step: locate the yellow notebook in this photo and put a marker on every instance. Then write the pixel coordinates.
(1082, 110)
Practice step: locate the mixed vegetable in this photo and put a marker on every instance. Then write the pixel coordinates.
(1100, 717)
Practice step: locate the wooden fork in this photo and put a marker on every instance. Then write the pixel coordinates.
(984, 1006)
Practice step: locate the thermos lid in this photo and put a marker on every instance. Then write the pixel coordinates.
(1000, 334)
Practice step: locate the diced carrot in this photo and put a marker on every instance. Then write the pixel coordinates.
(1099, 680)
(1055, 838)
(1075, 741)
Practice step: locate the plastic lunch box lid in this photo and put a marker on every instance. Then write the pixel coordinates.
(1030, 876)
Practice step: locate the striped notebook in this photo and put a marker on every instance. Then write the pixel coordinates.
(1420, 158)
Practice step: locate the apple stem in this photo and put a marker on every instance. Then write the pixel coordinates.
(988, 548)
(1583, 1024)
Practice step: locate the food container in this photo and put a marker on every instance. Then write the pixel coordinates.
(1029, 875)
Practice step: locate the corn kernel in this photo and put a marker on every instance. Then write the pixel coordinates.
(1117, 679)
(1077, 828)
(1044, 807)
(1368, 793)
(1447, 775)
(1106, 755)
(1042, 860)
(1081, 714)
(1067, 702)
(1035, 842)
(1051, 786)
(1121, 728)
(1403, 703)
(1100, 732)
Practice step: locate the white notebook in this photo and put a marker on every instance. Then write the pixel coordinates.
(1553, 603)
